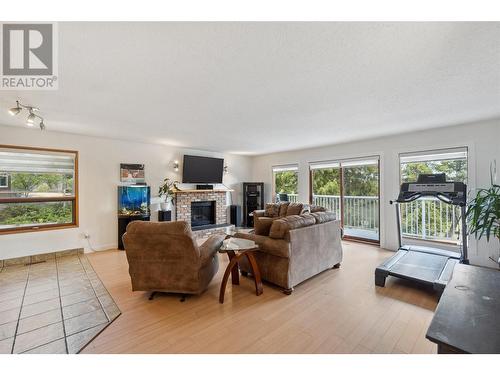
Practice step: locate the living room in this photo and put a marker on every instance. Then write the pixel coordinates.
(250, 188)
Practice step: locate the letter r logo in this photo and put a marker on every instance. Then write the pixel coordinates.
(27, 49)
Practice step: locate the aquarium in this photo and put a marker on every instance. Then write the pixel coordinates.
(134, 200)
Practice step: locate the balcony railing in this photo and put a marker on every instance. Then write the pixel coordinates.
(428, 219)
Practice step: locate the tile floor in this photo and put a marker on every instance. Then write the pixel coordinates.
(57, 306)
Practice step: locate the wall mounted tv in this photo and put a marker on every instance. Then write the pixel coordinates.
(200, 169)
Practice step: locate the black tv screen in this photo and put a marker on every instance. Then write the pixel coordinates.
(200, 169)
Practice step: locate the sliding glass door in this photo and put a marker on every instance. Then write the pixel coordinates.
(350, 188)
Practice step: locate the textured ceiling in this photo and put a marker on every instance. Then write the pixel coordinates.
(254, 88)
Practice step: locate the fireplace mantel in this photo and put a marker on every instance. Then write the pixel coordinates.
(203, 191)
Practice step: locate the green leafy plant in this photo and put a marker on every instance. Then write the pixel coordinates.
(483, 212)
(167, 189)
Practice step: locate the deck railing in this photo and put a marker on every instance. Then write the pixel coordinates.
(423, 219)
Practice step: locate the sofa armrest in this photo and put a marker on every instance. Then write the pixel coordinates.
(259, 213)
(210, 247)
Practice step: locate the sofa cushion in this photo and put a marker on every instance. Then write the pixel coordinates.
(272, 210)
(262, 225)
(314, 208)
(294, 209)
(281, 227)
(323, 217)
(283, 208)
(276, 247)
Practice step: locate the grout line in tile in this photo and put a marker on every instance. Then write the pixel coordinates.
(20, 310)
(95, 293)
(35, 347)
(60, 305)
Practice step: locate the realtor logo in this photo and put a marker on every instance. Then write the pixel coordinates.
(28, 56)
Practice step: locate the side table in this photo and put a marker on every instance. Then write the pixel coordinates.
(237, 248)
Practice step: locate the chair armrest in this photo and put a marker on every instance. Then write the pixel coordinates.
(258, 213)
(210, 247)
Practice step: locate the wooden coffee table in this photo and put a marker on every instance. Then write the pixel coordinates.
(236, 248)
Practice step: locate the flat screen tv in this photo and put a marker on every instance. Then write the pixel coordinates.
(200, 169)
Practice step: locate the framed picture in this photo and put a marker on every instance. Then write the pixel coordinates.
(132, 173)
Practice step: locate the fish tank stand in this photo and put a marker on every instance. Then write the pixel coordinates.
(123, 221)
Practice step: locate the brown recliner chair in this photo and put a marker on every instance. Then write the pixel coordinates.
(164, 257)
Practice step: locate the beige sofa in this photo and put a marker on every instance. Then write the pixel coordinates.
(164, 257)
(296, 248)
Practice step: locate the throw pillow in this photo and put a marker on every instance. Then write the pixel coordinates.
(294, 209)
(272, 210)
(283, 208)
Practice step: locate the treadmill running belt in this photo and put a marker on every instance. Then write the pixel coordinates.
(423, 266)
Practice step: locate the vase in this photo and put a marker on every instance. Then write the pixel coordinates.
(169, 204)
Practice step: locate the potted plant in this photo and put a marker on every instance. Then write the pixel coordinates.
(483, 212)
(167, 190)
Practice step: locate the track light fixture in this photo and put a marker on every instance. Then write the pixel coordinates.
(176, 166)
(32, 116)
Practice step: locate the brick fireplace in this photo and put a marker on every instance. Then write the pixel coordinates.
(206, 209)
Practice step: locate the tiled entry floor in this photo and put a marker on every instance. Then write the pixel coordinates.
(57, 306)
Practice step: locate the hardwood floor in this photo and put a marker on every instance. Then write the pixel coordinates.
(338, 311)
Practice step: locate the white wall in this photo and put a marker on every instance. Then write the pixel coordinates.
(99, 165)
(482, 138)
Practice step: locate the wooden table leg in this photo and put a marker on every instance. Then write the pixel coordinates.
(231, 265)
(256, 273)
(235, 275)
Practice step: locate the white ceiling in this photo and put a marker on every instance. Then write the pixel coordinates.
(255, 88)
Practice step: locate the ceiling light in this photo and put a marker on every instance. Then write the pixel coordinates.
(14, 111)
(31, 119)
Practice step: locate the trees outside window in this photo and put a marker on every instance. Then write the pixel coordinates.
(429, 218)
(285, 181)
(41, 191)
(350, 188)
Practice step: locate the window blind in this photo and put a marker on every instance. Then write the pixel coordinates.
(459, 153)
(35, 162)
(284, 168)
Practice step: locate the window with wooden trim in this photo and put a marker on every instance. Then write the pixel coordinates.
(38, 189)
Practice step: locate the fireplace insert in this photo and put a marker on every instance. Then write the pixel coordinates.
(202, 213)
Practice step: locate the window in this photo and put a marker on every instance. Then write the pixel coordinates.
(40, 189)
(429, 218)
(285, 181)
(350, 188)
(4, 181)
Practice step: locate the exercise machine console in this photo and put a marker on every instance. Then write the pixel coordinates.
(421, 264)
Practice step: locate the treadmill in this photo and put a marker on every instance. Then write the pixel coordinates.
(421, 264)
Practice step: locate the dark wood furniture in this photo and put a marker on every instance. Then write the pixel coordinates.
(164, 215)
(122, 226)
(235, 255)
(467, 317)
(253, 199)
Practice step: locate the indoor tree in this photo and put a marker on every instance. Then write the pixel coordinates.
(483, 212)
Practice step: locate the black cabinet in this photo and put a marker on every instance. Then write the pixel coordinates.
(164, 215)
(253, 199)
(122, 226)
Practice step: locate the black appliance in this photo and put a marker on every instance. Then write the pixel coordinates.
(201, 169)
(235, 215)
(253, 199)
(204, 187)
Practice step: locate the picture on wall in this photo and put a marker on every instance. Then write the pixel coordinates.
(132, 173)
